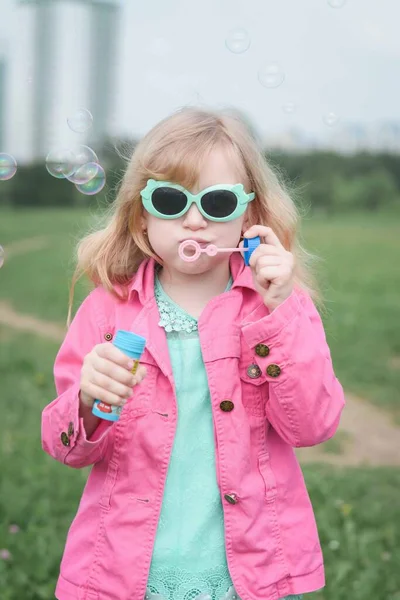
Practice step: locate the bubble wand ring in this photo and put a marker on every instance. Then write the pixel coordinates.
(249, 245)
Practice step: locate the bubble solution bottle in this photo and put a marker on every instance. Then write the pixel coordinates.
(132, 345)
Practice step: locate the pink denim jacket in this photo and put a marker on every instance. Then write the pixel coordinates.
(272, 388)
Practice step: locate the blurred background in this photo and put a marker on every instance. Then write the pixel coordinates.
(80, 83)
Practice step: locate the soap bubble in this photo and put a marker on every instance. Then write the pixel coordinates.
(8, 166)
(84, 173)
(2, 253)
(80, 121)
(96, 184)
(60, 163)
(289, 108)
(271, 75)
(336, 3)
(82, 157)
(330, 119)
(238, 41)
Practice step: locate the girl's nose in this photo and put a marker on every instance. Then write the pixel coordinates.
(194, 219)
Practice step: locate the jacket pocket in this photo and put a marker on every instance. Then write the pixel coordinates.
(254, 394)
(142, 399)
(108, 486)
(264, 465)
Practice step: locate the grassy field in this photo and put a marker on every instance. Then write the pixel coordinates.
(357, 510)
(360, 277)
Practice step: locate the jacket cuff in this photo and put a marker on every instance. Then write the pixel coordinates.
(259, 327)
(72, 446)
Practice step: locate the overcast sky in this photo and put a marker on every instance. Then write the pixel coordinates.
(342, 60)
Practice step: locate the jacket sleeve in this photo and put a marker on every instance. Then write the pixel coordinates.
(305, 398)
(63, 433)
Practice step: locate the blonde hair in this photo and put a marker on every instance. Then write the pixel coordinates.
(173, 151)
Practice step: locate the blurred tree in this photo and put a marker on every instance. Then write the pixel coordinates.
(323, 181)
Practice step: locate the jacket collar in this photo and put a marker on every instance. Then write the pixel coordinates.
(143, 281)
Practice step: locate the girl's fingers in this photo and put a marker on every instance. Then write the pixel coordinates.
(99, 393)
(267, 261)
(110, 385)
(112, 353)
(267, 233)
(113, 370)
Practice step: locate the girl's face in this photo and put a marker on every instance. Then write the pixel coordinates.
(165, 235)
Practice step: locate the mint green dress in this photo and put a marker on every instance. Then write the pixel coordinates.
(189, 560)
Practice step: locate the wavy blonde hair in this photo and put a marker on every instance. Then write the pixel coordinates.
(173, 151)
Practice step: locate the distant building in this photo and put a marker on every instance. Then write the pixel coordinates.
(66, 62)
(346, 137)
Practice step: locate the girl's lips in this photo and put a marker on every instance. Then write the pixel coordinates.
(202, 243)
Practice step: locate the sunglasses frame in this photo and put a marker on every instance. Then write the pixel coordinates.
(242, 197)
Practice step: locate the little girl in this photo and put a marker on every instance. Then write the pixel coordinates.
(195, 492)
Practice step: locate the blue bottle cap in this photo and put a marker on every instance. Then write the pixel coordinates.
(130, 343)
(251, 244)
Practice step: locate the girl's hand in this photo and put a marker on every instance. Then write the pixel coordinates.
(272, 267)
(105, 376)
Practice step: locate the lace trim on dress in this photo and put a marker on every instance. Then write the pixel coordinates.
(173, 317)
(179, 584)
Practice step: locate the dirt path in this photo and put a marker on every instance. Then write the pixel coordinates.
(29, 324)
(368, 437)
(26, 245)
(366, 434)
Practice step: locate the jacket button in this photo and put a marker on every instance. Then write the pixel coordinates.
(64, 439)
(262, 350)
(253, 371)
(231, 498)
(273, 370)
(227, 405)
(70, 429)
(108, 337)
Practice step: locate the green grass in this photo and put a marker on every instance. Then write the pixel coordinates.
(37, 282)
(337, 444)
(360, 277)
(357, 510)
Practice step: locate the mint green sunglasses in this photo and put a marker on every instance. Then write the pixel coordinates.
(223, 202)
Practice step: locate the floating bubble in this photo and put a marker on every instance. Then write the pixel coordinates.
(337, 3)
(80, 121)
(289, 108)
(84, 173)
(8, 166)
(238, 41)
(60, 163)
(82, 156)
(96, 184)
(271, 75)
(2, 254)
(330, 119)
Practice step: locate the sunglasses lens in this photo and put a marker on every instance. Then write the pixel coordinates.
(219, 203)
(168, 201)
